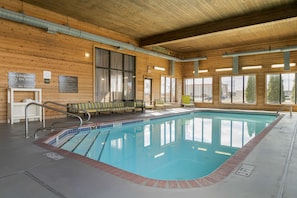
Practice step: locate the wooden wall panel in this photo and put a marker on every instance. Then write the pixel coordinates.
(26, 49)
(145, 69)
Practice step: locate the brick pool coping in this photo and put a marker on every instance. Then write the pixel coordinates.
(219, 174)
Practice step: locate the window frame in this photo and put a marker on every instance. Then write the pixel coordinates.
(124, 66)
(166, 96)
(294, 88)
(232, 92)
(202, 86)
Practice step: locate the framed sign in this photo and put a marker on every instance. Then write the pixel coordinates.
(21, 80)
(68, 84)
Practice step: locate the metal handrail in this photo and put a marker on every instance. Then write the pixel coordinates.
(284, 107)
(43, 121)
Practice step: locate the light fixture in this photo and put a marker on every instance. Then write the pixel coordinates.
(282, 65)
(159, 68)
(87, 54)
(224, 69)
(201, 71)
(251, 67)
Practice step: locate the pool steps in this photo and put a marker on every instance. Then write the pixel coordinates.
(75, 140)
(86, 143)
(98, 144)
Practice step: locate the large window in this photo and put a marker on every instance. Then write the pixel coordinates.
(115, 76)
(238, 89)
(189, 87)
(168, 89)
(199, 89)
(280, 88)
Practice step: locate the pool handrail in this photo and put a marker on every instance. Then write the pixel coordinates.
(66, 106)
(284, 107)
(43, 120)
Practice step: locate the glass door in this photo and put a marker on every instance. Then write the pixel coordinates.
(148, 91)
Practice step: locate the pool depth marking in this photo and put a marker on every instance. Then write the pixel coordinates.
(245, 170)
(53, 156)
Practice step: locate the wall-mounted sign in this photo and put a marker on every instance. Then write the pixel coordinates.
(47, 75)
(21, 80)
(68, 84)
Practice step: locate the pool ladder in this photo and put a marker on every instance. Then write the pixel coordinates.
(46, 106)
(283, 108)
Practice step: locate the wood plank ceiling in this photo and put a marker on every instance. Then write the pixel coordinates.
(186, 26)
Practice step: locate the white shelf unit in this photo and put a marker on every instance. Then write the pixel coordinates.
(16, 110)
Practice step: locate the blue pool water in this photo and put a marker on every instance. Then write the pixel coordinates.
(182, 147)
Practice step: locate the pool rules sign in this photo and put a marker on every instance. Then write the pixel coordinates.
(21, 80)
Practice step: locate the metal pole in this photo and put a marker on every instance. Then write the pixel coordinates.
(26, 122)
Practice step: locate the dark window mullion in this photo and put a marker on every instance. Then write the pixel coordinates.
(243, 85)
(202, 90)
(295, 88)
(280, 89)
(109, 74)
(231, 89)
(193, 90)
(123, 75)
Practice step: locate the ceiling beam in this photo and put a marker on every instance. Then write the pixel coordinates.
(253, 18)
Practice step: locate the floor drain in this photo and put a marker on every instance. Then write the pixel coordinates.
(245, 170)
(54, 156)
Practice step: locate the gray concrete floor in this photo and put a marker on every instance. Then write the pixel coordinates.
(27, 171)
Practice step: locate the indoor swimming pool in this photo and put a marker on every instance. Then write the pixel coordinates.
(179, 147)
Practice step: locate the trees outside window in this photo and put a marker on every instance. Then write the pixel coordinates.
(273, 89)
(238, 89)
(250, 90)
(280, 88)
